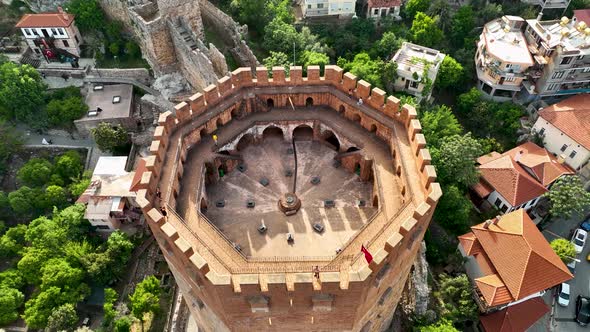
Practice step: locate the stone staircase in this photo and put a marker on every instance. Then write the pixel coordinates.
(188, 38)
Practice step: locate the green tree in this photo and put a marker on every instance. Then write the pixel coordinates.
(11, 300)
(452, 212)
(57, 272)
(39, 308)
(467, 101)
(564, 249)
(13, 241)
(89, 15)
(438, 123)
(11, 278)
(442, 325)
(455, 160)
(425, 31)
(80, 185)
(568, 197)
(62, 318)
(123, 324)
(390, 76)
(442, 10)
(21, 92)
(55, 196)
(364, 68)
(277, 59)
(146, 297)
(386, 47)
(35, 173)
(69, 166)
(251, 12)
(412, 7)
(65, 111)
(25, 201)
(311, 58)
(33, 260)
(109, 138)
(114, 48)
(457, 298)
(450, 74)
(132, 49)
(110, 297)
(462, 24)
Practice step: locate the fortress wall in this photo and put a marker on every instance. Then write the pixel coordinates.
(355, 291)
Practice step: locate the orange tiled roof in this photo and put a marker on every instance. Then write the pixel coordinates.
(572, 117)
(470, 243)
(515, 318)
(520, 174)
(45, 20)
(384, 3)
(493, 290)
(520, 254)
(511, 180)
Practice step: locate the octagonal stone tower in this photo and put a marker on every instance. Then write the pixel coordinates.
(205, 200)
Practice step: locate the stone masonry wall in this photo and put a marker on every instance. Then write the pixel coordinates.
(364, 295)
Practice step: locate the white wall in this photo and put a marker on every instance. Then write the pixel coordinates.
(554, 140)
(509, 208)
(32, 33)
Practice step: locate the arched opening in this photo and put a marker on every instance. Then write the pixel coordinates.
(332, 139)
(203, 205)
(373, 128)
(352, 149)
(221, 170)
(270, 102)
(356, 118)
(219, 123)
(224, 152)
(272, 132)
(244, 142)
(234, 113)
(203, 133)
(375, 201)
(308, 102)
(341, 109)
(303, 133)
(357, 169)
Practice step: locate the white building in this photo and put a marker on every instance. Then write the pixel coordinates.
(565, 128)
(417, 67)
(110, 201)
(315, 8)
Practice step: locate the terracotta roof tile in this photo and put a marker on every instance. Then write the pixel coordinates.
(520, 254)
(515, 318)
(540, 162)
(45, 20)
(384, 3)
(572, 117)
(470, 243)
(493, 290)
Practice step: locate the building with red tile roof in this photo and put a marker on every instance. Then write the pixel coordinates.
(519, 177)
(509, 261)
(516, 318)
(382, 8)
(565, 127)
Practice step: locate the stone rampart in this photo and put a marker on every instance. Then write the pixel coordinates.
(211, 268)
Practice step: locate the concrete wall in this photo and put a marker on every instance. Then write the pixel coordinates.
(364, 295)
(554, 139)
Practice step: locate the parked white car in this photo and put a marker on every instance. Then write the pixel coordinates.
(579, 239)
(563, 298)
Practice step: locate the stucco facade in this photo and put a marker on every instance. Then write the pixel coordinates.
(560, 144)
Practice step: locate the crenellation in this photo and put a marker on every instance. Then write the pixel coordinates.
(377, 98)
(295, 75)
(349, 82)
(211, 94)
(391, 108)
(363, 89)
(261, 76)
(424, 158)
(313, 74)
(333, 75)
(224, 86)
(278, 75)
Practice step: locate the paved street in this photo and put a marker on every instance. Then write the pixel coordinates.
(563, 319)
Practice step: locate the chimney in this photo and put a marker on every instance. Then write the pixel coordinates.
(496, 220)
(561, 158)
(540, 16)
(518, 155)
(487, 224)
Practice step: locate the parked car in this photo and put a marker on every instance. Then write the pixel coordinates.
(586, 225)
(572, 267)
(582, 310)
(563, 298)
(579, 239)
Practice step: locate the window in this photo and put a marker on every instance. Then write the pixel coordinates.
(320, 5)
(414, 84)
(322, 302)
(53, 31)
(504, 208)
(102, 227)
(498, 202)
(66, 44)
(258, 303)
(308, 6)
(552, 87)
(542, 131)
(37, 51)
(61, 31)
(512, 66)
(563, 148)
(566, 60)
(558, 74)
(573, 154)
(77, 41)
(376, 11)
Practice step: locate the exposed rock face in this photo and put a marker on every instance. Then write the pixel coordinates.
(39, 6)
(420, 281)
(170, 85)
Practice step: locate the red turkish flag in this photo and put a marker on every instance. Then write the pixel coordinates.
(368, 255)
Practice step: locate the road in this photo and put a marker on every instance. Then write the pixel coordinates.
(563, 319)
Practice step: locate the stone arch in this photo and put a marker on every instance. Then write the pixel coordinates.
(203, 205)
(308, 102)
(332, 139)
(219, 122)
(341, 109)
(376, 201)
(373, 128)
(357, 168)
(235, 112)
(352, 149)
(203, 133)
(244, 141)
(356, 118)
(221, 170)
(270, 102)
(303, 133)
(272, 131)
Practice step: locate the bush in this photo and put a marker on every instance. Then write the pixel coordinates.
(35, 173)
(65, 111)
(564, 249)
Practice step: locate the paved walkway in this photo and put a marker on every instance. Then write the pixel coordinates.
(93, 79)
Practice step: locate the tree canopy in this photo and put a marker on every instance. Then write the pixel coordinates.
(11, 300)
(450, 74)
(457, 298)
(21, 93)
(455, 160)
(437, 123)
(109, 138)
(146, 297)
(36, 172)
(425, 30)
(568, 197)
(564, 249)
(89, 15)
(364, 68)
